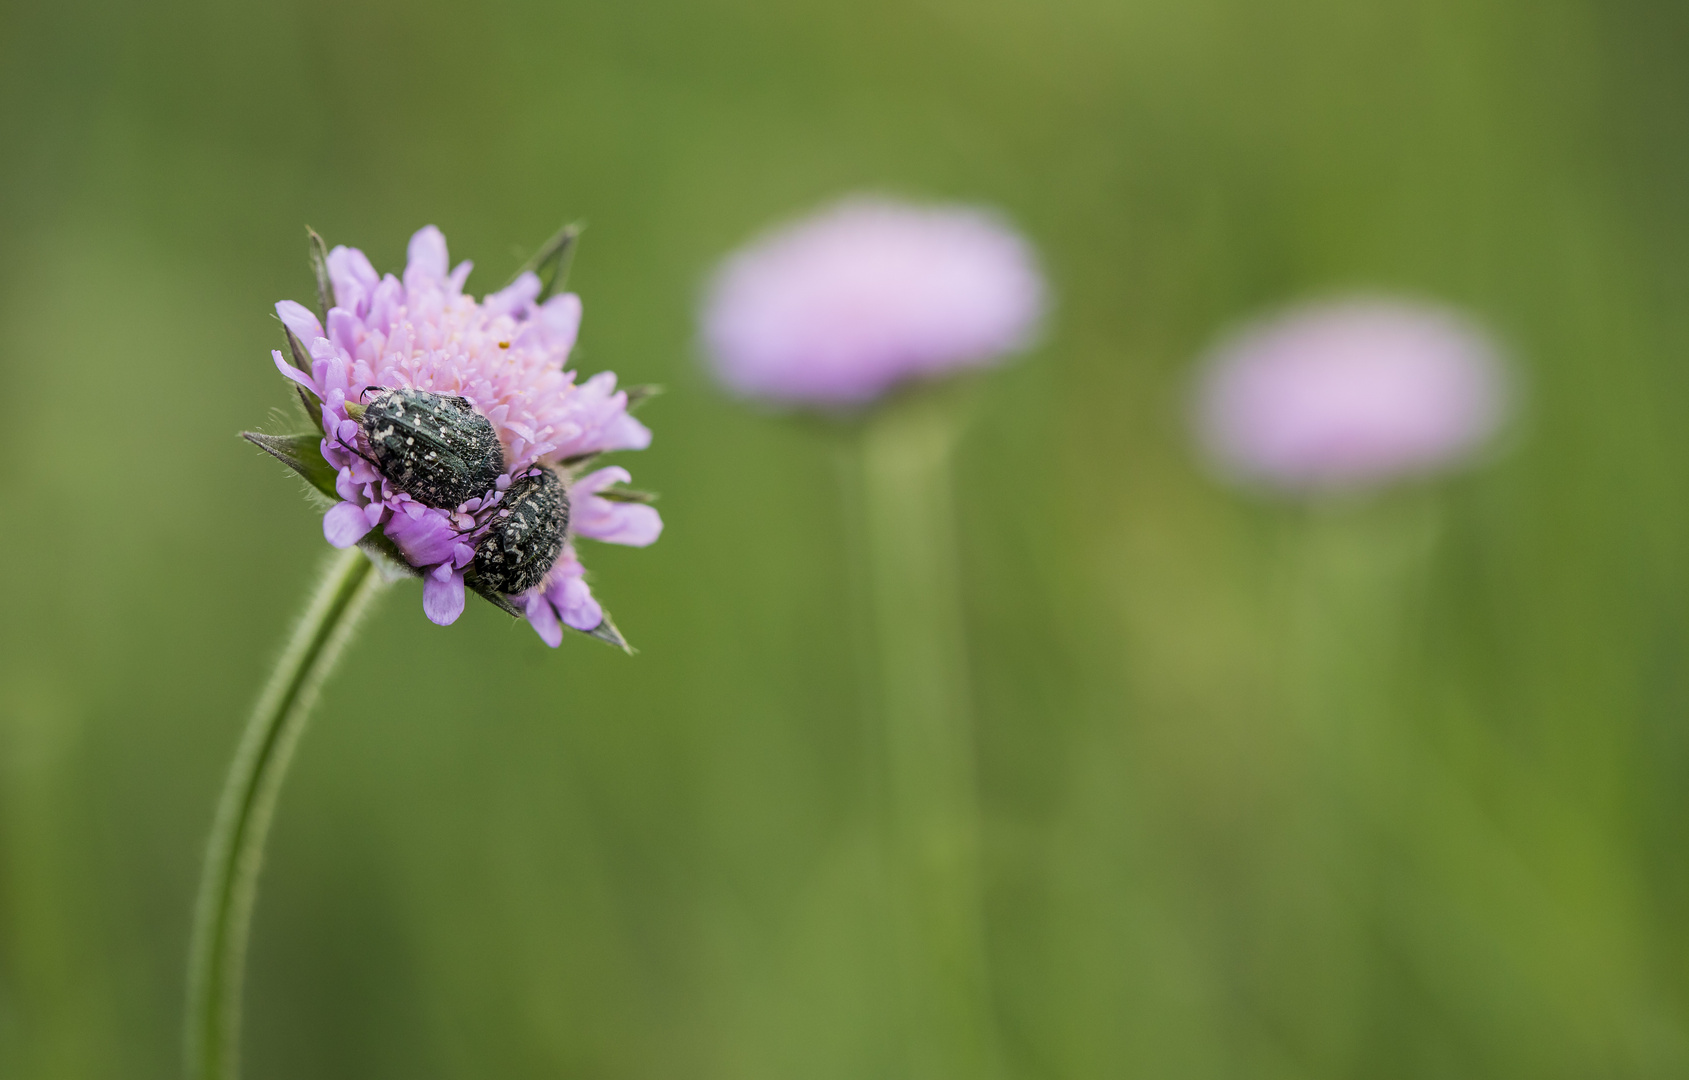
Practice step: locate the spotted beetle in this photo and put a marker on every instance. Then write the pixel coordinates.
(434, 447)
(527, 534)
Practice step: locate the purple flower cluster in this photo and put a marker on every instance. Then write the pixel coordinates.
(836, 310)
(839, 308)
(506, 355)
(1350, 394)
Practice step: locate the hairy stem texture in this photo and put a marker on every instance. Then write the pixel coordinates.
(229, 883)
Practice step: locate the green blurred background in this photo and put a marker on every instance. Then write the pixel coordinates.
(1389, 790)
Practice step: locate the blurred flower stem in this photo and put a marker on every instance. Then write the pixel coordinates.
(929, 807)
(1354, 574)
(1359, 575)
(229, 883)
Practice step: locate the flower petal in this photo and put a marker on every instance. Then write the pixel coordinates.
(569, 594)
(599, 479)
(353, 277)
(598, 414)
(460, 274)
(543, 618)
(442, 601)
(560, 323)
(343, 327)
(515, 297)
(423, 535)
(299, 319)
(623, 432)
(389, 296)
(632, 524)
(427, 263)
(344, 485)
(345, 524)
(294, 373)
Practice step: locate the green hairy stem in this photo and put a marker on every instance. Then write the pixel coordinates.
(229, 882)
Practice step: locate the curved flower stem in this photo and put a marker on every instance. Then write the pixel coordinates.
(229, 882)
(930, 805)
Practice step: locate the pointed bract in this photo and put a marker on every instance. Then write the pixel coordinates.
(607, 632)
(319, 270)
(301, 453)
(551, 263)
(639, 395)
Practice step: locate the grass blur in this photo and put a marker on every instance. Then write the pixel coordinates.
(1398, 789)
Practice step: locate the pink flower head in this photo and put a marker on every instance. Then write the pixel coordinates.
(1350, 394)
(839, 308)
(506, 355)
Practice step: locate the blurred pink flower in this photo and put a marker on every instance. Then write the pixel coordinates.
(838, 308)
(1350, 394)
(506, 354)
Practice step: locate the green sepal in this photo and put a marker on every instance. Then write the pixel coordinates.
(303, 454)
(580, 461)
(297, 354)
(606, 632)
(639, 395)
(618, 493)
(301, 359)
(552, 261)
(319, 269)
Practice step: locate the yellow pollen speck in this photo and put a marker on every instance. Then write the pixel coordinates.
(504, 344)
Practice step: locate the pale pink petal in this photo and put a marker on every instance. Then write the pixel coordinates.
(343, 327)
(352, 277)
(560, 322)
(294, 373)
(344, 485)
(427, 265)
(599, 479)
(623, 432)
(299, 319)
(543, 618)
(515, 297)
(595, 419)
(442, 601)
(384, 305)
(578, 608)
(569, 594)
(631, 524)
(460, 274)
(345, 524)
